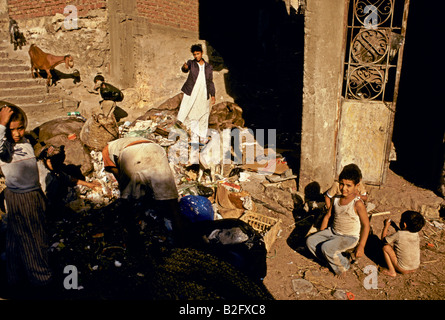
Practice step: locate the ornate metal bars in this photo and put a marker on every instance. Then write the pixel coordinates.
(374, 33)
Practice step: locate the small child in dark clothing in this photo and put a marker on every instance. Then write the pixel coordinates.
(55, 180)
(404, 255)
(26, 239)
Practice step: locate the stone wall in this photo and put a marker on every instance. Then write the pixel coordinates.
(139, 45)
(180, 14)
(88, 43)
(323, 63)
(4, 24)
(19, 9)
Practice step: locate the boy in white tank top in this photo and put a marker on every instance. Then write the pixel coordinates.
(349, 229)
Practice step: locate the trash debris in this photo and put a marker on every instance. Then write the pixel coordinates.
(340, 294)
(234, 241)
(92, 233)
(437, 224)
(196, 208)
(302, 286)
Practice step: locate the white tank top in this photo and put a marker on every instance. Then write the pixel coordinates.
(346, 220)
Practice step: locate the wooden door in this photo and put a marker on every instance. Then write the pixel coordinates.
(374, 40)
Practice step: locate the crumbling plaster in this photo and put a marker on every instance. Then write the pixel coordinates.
(324, 34)
(141, 58)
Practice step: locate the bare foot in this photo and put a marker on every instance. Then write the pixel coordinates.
(341, 276)
(389, 273)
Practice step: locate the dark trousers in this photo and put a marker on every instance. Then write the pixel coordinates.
(27, 260)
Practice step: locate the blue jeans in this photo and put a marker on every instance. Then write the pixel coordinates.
(328, 245)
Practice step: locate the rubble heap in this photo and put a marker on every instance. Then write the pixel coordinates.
(93, 233)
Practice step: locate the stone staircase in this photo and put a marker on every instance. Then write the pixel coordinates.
(18, 87)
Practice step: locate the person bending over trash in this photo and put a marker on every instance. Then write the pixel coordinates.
(142, 170)
(350, 226)
(402, 249)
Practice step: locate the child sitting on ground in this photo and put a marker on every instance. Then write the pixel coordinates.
(334, 190)
(350, 225)
(404, 257)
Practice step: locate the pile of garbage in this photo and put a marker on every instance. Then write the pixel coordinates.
(96, 234)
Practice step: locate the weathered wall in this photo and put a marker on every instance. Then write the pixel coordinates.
(19, 9)
(180, 14)
(3, 17)
(88, 44)
(139, 45)
(149, 42)
(161, 52)
(45, 24)
(324, 29)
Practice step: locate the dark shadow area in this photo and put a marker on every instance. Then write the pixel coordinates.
(119, 113)
(58, 75)
(374, 250)
(261, 45)
(419, 119)
(307, 212)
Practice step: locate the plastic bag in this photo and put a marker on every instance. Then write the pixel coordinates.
(235, 242)
(196, 208)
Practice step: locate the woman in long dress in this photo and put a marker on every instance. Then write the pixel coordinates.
(199, 94)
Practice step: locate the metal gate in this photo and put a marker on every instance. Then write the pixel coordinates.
(374, 40)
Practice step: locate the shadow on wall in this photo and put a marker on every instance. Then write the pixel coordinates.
(261, 45)
(419, 121)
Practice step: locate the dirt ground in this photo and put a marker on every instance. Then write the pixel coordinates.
(288, 259)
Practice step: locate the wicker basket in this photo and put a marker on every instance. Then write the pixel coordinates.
(267, 226)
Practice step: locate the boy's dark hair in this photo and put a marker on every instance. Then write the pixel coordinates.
(99, 77)
(17, 113)
(413, 220)
(353, 166)
(351, 172)
(196, 47)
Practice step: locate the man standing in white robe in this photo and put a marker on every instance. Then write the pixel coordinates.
(199, 94)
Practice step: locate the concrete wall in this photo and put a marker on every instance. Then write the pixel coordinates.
(4, 25)
(19, 9)
(139, 45)
(323, 68)
(88, 44)
(149, 42)
(179, 14)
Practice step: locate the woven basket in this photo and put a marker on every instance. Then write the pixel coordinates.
(267, 226)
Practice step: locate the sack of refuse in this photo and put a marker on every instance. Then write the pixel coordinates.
(99, 130)
(234, 241)
(64, 132)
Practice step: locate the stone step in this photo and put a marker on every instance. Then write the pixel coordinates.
(34, 107)
(15, 75)
(31, 99)
(14, 62)
(14, 68)
(14, 92)
(24, 83)
(38, 113)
